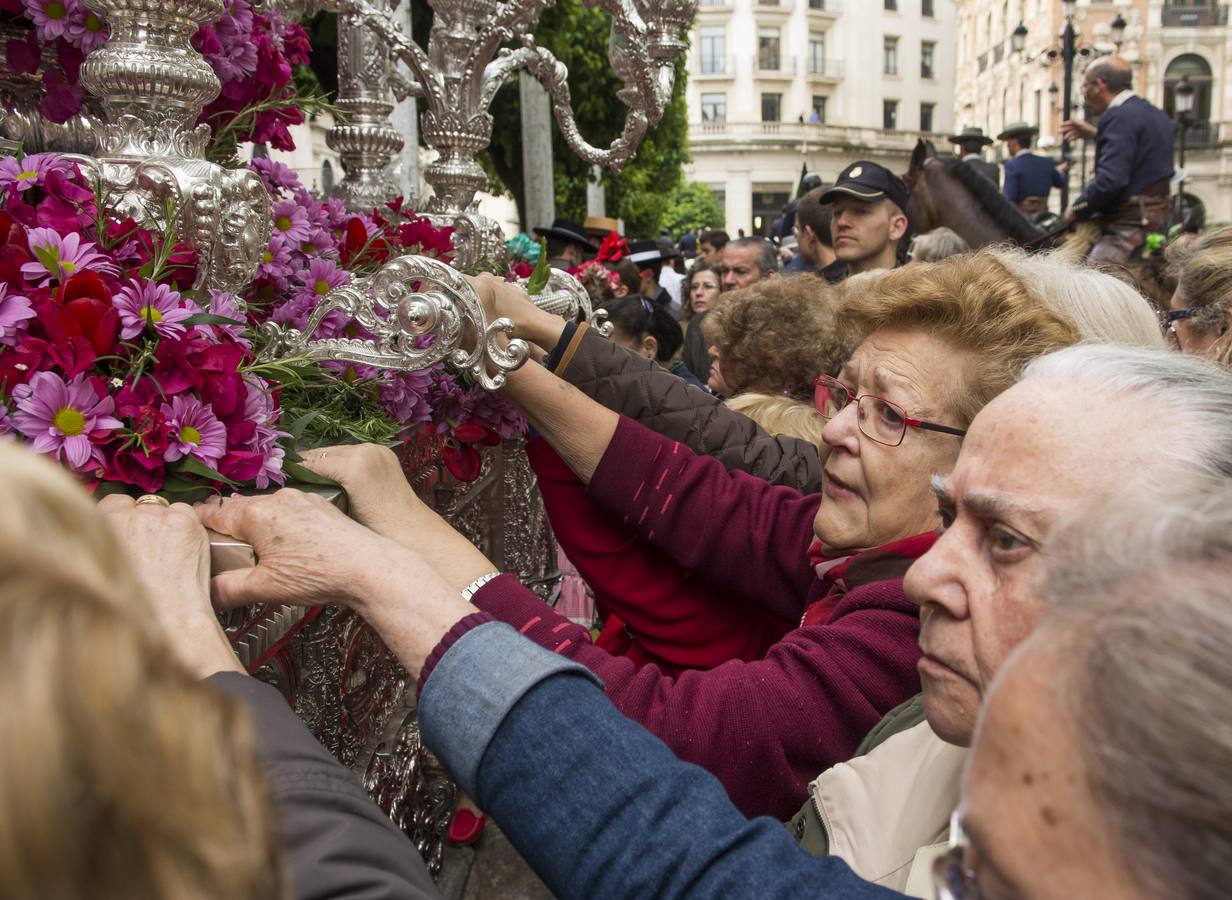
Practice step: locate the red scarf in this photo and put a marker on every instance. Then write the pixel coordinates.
(834, 571)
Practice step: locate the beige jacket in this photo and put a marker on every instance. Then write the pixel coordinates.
(887, 813)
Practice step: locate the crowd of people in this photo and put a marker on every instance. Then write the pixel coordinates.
(910, 562)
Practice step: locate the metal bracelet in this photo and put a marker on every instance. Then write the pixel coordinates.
(473, 588)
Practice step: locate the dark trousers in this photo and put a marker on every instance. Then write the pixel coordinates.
(1125, 229)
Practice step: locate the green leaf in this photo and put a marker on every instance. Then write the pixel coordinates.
(298, 427)
(191, 466)
(301, 473)
(210, 319)
(107, 488)
(539, 278)
(49, 257)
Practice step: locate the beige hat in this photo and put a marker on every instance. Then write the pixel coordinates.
(600, 226)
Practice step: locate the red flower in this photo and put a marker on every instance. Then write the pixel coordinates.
(23, 56)
(464, 463)
(132, 466)
(82, 309)
(475, 432)
(241, 465)
(73, 356)
(522, 270)
(21, 362)
(613, 249)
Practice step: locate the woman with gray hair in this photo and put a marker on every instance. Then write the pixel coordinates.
(936, 245)
(1200, 314)
(1101, 763)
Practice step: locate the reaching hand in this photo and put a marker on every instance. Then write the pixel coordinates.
(1078, 129)
(170, 553)
(307, 551)
(500, 298)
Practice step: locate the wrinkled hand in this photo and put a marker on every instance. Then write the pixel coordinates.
(308, 552)
(501, 298)
(378, 494)
(382, 499)
(1077, 129)
(170, 553)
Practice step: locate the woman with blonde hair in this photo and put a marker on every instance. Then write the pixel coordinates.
(124, 776)
(1200, 313)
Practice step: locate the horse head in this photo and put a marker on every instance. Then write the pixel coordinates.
(919, 205)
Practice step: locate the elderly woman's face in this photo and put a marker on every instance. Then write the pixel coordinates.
(1033, 456)
(1033, 828)
(715, 380)
(1188, 338)
(703, 291)
(873, 493)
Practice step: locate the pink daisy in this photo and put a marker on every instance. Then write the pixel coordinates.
(194, 431)
(15, 313)
(65, 420)
(275, 176)
(146, 303)
(32, 171)
(51, 17)
(6, 424)
(291, 221)
(56, 258)
(322, 276)
(87, 30)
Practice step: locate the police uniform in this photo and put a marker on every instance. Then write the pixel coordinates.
(1029, 177)
(1133, 170)
(867, 182)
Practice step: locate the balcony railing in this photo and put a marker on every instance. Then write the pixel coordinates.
(724, 67)
(793, 133)
(825, 6)
(1194, 17)
(1200, 134)
(775, 67)
(826, 68)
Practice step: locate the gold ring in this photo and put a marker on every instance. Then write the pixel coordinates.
(154, 499)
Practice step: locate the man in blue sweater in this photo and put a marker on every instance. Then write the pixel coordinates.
(1029, 177)
(1133, 161)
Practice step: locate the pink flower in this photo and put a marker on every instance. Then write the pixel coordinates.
(88, 31)
(51, 17)
(275, 176)
(291, 221)
(58, 258)
(276, 261)
(32, 171)
(64, 419)
(15, 313)
(6, 424)
(322, 276)
(194, 431)
(146, 303)
(404, 395)
(227, 305)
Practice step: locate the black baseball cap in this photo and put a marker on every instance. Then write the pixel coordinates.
(869, 182)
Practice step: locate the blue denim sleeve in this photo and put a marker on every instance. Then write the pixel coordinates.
(599, 807)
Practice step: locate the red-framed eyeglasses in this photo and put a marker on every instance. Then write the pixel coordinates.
(878, 418)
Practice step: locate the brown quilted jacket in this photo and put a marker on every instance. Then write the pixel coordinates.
(642, 390)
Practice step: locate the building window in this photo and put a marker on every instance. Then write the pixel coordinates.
(817, 54)
(714, 49)
(714, 107)
(767, 2)
(768, 49)
(719, 189)
(891, 4)
(926, 116)
(327, 177)
(928, 54)
(890, 66)
(926, 9)
(817, 4)
(817, 115)
(889, 115)
(771, 107)
(713, 2)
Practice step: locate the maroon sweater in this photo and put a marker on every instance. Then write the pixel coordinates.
(764, 728)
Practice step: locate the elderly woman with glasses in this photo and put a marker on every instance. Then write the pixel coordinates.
(1199, 317)
(939, 342)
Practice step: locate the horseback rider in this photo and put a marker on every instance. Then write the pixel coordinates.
(1029, 177)
(1133, 161)
(972, 142)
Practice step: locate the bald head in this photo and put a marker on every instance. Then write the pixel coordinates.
(1103, 80)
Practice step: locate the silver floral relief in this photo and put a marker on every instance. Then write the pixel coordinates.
(404, 303)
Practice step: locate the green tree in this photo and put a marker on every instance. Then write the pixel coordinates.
(692, 205)
(578, 37)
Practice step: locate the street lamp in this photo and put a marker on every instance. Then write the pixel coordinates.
(1068, 40)
(1118, 31)
(1184, 103)
(1018, 38)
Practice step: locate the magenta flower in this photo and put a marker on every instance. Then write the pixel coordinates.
(275, 176)
(51, 17)
(142, 304)
(276, 261)
(322, 276)
(6, 424)
(193, 430)
(266, 442)
(66, 420)
(15, 313)
(291, 222)
(319, 241)
(227, 305)
(404, 395)
(32, 171)
(57, 258)
(87, 31)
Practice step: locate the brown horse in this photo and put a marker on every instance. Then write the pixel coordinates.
(949, 193)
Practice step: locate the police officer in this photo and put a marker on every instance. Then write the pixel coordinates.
(1133, 161)
(1029, 178)
(972, 141)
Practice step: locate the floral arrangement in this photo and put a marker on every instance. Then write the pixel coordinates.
(252, 53)
(109, 362)
(317, 246)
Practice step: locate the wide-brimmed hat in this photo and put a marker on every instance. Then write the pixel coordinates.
(566, 230)
(970, 135)
(645, 252)
(600, 226)
(1018, 129)
(869, 182)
